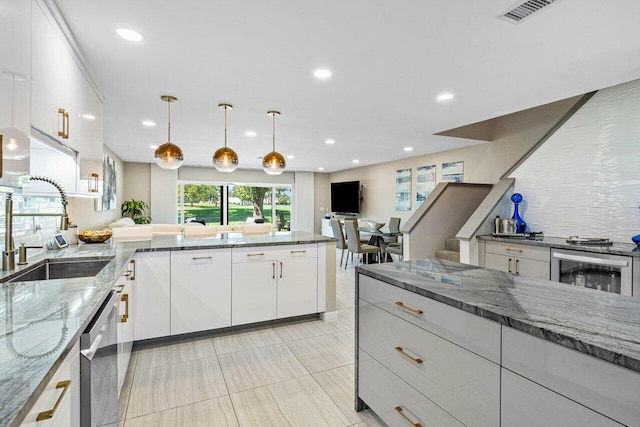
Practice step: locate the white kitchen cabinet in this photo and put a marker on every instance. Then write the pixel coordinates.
(125, 289)
(152, 295)
(523, 260)
(527, 404)
(274, 282)
(59, 404)
(63, 103)
(200, 290)
(15, 51)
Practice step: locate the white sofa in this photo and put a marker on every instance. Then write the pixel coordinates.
(125, 227)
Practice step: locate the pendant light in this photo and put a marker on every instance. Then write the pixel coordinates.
(168, 155)
(273, 163)
(225, 159)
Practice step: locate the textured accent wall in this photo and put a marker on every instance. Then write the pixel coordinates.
(585, 179)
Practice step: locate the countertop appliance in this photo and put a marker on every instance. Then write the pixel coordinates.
(98, 367)
(604, 272)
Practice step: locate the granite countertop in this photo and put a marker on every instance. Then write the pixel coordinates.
(40, 321)
(601, 324)
(625, 249)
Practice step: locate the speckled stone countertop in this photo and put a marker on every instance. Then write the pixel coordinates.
(601, 324)
(626, 249)
(40, 321)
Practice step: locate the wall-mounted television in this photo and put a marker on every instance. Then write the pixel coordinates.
(345, 197)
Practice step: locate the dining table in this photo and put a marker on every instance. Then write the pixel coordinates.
(378, 237)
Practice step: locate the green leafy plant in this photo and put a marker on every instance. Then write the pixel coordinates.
(136, 210)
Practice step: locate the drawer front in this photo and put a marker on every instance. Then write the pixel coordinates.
(384, 392)
(527, 404)
(606, 388)
(273, 253)
(519, 250)
(475, 333)
(462, 383)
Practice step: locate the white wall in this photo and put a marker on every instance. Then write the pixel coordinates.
(137, 182)
(164, 185)
(585, 179)
(303, 202)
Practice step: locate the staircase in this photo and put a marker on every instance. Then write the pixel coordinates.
(451, 250)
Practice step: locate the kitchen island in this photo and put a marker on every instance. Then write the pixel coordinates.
(452, 344)
(43, 319)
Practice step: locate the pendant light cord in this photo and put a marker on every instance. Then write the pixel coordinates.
(273, 127)
(169, 125)
(225, 126)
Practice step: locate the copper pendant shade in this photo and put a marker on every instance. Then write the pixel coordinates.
(225, 159)
(168, 155)
(273, 163)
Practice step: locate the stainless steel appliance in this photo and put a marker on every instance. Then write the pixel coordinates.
(99, 367)
(605, 272)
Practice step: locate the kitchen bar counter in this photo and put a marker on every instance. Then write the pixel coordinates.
(625, 249)
(600, 324)
(42, 320)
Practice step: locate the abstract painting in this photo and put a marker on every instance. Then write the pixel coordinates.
(108, 200)
(425, 183)
(453, 172)
(403, 190)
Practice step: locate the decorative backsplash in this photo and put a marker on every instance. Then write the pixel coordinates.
(585, 179)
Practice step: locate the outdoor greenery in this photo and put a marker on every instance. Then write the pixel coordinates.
(237, 213)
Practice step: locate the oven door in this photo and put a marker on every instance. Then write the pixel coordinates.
(98, 368)
(604, 272)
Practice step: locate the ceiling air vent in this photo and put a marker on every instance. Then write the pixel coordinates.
(524, 9)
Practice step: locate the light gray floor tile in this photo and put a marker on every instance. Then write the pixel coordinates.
(297, 402)
(373, 421)
(166, 387)
(213, 412)
(346, 319)
(324, 352)
(178, 352)
(307, 329)
(339, 385)
(239, 341)
(244, 370)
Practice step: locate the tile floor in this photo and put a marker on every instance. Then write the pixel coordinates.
(295, 374)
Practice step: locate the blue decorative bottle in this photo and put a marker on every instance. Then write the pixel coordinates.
(521, 226)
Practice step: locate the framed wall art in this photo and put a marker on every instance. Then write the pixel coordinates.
(425, 183)
(453, 172)
(403, 190)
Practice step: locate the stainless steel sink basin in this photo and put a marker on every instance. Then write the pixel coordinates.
(62, 269)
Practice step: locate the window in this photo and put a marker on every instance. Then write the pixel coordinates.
(199, 203)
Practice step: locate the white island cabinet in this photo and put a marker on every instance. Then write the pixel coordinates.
(200, 290)
(523, 260)
(152, 303)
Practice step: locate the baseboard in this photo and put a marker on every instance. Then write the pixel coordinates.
(329, 316)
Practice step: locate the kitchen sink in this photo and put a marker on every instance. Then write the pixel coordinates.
(62, 269)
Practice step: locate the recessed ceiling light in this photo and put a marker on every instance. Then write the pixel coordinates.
(129, 34)
(153, 147)
(408, 148)
(322, 73)
(445, 97)
(330, 141)
(320, 168)
(355, 161)
(148, 123)
(290, 156)
(250, 133)
(88, 116)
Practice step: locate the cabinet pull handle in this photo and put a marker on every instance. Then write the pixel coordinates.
(45, 415)
(517, 266)
(260, 254)
(404, 417)
(66, 128)
(133, 269)
(409, 309)
(518, 251)
(125, 298)
(61, 114)
(127, 274)
(413, 359)
(202, 257)
(119, 288)
(281, 269)
(509, 265)
(273, 273)
(304, 251)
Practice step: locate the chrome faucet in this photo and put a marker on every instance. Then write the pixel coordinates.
(9, 253)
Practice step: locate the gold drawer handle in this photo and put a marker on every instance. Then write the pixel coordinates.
(414, 360)
(128, 273)
(404, 417)
(119, 288)
(409, 309)
(299, 252)
(195, 258)
(517, 266)
(45, 415)
(519, 251)
(133, 270)
(64, 133)
(260, 254)
(125, 298)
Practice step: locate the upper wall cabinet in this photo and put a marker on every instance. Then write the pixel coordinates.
(63, 103)
(15, 69)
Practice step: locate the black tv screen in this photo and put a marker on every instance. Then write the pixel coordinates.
(345, 197)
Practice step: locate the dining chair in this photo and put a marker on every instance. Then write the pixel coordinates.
(394, 227)
(354, 245)
(338, 234)
(394, 248)
(354, 219)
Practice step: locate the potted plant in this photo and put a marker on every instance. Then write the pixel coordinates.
(136, 210)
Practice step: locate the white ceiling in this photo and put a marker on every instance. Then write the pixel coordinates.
(389, 60)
